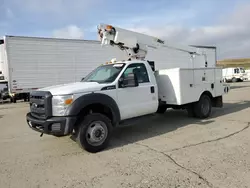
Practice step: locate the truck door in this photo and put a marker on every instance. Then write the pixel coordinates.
(236, 71)
(141, 100)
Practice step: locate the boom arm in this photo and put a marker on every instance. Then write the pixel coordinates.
(136, 44)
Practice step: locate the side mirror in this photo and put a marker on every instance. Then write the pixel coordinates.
(82, 79)
(129, 81)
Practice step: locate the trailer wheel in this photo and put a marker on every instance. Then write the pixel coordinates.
(26, 97)
(94, 132)
(203, 107)
(13, 99)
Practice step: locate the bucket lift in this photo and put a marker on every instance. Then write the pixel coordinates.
(137, 44)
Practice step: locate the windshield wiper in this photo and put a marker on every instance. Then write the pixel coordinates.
(87, 80)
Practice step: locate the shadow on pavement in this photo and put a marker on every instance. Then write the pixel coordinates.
(238, 87)
(170, 121)
(230, 108)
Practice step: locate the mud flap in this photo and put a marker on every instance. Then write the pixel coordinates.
(217, 102)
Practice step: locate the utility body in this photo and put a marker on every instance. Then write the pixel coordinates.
(122, 91)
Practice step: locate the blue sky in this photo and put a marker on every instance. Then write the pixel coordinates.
(224, 23)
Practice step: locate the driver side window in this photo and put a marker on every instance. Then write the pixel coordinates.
(236, 71)
(139, 70)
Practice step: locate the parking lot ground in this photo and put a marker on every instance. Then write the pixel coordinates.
(169, 150)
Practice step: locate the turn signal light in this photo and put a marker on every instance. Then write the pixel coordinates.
(68, 101)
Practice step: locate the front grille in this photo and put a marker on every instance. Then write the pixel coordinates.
(40, 104)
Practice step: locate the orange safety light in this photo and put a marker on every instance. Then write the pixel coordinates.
(109, 27)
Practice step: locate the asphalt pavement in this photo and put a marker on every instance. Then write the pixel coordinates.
(169, 150)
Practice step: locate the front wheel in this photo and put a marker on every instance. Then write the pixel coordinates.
(94, 132)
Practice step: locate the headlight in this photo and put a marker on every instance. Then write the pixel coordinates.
(60, 104)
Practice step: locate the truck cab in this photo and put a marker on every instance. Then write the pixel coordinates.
(112, 92)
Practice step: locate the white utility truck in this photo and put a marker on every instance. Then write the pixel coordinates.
(234, 74)
(126, 90)
(30, 63)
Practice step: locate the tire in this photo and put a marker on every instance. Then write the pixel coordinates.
(203, 107)
(13, 100)
(85, 134)
(161, 109)
(234, 80)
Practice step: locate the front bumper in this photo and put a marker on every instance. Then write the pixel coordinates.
(59, 126)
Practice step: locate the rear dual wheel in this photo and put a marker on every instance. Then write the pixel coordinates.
(201, 109)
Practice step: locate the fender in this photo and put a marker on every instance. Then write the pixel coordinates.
(94, 98)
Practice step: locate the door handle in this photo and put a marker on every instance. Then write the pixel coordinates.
(152, 89)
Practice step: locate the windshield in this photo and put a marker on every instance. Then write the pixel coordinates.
(105, 73)
(242, 70)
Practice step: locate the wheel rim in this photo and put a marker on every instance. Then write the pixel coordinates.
(205, 107)
(96, 133)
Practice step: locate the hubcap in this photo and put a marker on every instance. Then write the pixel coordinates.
(96, 133)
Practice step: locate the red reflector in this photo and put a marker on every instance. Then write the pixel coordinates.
(34, 88)
(18, 89)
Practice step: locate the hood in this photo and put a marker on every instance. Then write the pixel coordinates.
(71, 88)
